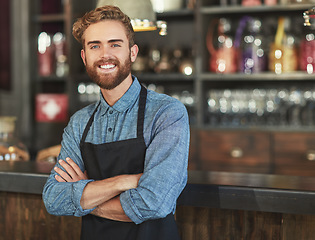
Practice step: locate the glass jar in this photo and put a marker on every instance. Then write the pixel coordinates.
(11, 149)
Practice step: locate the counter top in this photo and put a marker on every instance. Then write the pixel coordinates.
(238, 191)
(251, 192)
(24, 177)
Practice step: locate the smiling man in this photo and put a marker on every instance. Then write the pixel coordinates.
(123, 161)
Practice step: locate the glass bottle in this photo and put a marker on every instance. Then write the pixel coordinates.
(252, 57)
(283, 52)
(45, 55)
(221, 48)
(307, 49)
(11, 149)
(59, 42)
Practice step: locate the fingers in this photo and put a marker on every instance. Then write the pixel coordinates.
(59, 179)
(71, 172)
(62, 175)
(68, 169)
(77, 171)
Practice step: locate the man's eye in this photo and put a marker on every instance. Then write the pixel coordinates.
(116, 45)
(94, 46)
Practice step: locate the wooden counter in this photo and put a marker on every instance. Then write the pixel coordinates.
(23, 214)
(214, 205)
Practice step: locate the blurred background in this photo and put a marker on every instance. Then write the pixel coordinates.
(243, 68)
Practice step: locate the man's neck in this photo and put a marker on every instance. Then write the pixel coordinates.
(113, 95)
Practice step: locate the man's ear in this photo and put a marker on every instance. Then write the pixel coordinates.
(83, 56)
(134, 52)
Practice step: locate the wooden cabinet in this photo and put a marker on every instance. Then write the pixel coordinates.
(234, 151)
(294, 153)
(284, 153)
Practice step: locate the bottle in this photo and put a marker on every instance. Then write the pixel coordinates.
(248, 3)
(307, 49)
(252, 57)
(45, 55)
(283, 55)
(11, 149)
(61, 65)
(154, 58)
(164, 65)
(222, 51)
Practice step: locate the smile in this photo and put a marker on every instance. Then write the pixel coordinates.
(107, 66)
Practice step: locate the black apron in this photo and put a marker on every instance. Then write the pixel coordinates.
(111, 159)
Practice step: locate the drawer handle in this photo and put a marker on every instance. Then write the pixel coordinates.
(310, 155)
(236, 152)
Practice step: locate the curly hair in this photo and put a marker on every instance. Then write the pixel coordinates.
(100, 14)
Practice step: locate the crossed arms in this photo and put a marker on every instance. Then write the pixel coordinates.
(103, 195)
(150, 197)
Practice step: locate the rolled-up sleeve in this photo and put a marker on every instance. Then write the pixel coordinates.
(165, 171)
(63, 198)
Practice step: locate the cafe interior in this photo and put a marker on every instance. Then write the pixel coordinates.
(245, 71)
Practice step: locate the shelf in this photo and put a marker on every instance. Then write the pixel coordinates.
(163, 77)
(176, 14)
(267, 76)
(52, 78)
(255, 9)
(50, 18)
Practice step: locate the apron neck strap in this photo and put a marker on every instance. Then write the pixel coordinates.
(141, 109)
(88, 125)
(140, 121)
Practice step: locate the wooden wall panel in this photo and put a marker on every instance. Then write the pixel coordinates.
(262, 225)
(24, 217)
(298, 227)
(199, 223)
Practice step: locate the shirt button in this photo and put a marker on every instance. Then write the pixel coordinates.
(110, 129)
(110, 111)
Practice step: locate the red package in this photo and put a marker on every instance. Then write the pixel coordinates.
(51, 107)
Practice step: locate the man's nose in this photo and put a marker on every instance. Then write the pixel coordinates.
(105, 52)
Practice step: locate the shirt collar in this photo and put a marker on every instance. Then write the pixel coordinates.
(127, 100)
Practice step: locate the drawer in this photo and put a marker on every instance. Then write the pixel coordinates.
(234, 151)
(294, 153)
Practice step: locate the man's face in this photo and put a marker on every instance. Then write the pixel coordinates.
(106, 55)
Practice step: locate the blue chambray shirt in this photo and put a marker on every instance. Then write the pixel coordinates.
(166, 135)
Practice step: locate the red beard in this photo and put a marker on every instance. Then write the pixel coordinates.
(109, 80)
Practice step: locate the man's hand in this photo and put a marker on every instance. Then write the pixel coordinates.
(102, 194)
(72, 172)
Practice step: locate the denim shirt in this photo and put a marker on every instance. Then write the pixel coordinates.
(166, 135)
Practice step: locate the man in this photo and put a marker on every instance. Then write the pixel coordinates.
(123, 161)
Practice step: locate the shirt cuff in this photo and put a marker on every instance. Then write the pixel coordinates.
(129, 207)
(77, 190)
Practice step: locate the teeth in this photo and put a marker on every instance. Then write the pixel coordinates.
(108, 66)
